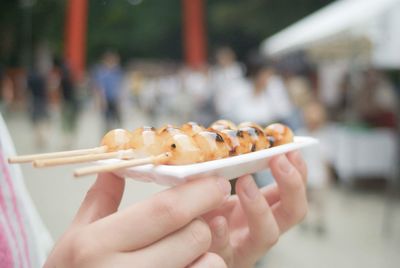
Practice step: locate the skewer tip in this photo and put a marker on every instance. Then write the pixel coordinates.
(17, 160)
(77, 174)
(37, 164)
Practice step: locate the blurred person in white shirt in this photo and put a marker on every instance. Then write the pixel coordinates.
(224, 75)
(196, 83)
(227, 67)
(263, 96)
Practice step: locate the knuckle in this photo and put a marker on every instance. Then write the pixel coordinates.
(296, 183)
(261, 209)
(168, 209)
(200, 234)
(271, 240)
(79, 252)
(296, 215)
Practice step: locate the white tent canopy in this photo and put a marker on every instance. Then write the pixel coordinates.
(341, 19)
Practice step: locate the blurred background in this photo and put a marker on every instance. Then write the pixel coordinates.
(70, 70)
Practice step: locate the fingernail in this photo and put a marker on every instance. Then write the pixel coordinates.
(297, 158)
(284, 165)
(250, 188)
(225, 186)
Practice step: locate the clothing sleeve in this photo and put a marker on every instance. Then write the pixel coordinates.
(36, 236)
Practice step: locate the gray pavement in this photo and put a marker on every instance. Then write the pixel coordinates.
(354, 236)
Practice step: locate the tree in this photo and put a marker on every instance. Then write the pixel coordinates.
(24, 23)
(245, 24)
(151, 29)
(143, 28)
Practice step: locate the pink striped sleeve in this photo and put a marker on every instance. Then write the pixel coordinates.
(17, 232)
(6, 256)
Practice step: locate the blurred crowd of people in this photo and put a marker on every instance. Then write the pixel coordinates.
(249, 91)
(256, 90)
(38, 90)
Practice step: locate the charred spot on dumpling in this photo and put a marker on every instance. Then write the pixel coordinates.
(271, 140)
(173, 146)
(253, 148)
(148, 128)
(257, 131)
(166, 128)
(219, 138)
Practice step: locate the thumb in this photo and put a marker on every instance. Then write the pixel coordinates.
(101, 200)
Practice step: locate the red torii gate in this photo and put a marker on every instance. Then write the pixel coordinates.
(75, 36)
(194, 35)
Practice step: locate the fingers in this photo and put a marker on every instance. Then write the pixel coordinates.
(220, 239)
(298, 162)
(292, 206)
(102, 199)
(263, 229)
(148, 221)
(271, 193)
(224, 210)
(209, 260)
(179, 248)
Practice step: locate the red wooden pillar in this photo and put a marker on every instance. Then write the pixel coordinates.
(75, 36)
(194, 35)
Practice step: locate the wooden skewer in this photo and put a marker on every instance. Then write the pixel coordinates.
(33, 157)
(123, 154)
(158, 159)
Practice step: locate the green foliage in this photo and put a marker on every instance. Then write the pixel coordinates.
(48, 19)
(147, 29)
(24, 23)
(245, 24)
(151, 29)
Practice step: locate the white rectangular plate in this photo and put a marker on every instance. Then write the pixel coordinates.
(231, 167)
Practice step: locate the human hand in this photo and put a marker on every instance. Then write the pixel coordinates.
(162, 231)
(250, 223)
